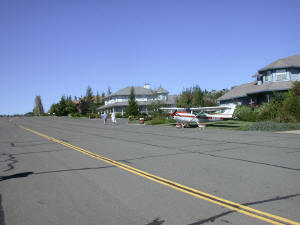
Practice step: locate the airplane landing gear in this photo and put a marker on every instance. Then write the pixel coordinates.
(201, 126)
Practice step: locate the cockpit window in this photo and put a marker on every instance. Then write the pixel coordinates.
(187, 110)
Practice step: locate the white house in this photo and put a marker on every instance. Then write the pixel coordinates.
(145, 96)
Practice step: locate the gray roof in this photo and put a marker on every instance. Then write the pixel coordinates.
(252, 88)
(161, 90)
(171, 101)
(137, 91)
(288, 62)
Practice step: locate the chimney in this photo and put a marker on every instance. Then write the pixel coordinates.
(147, 86)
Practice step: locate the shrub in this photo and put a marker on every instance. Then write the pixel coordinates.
(76, 115)
(267, 111)
(92, 116)
(118, 115)
(291, 108)
(245, 113)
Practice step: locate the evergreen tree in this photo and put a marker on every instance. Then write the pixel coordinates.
(98, 100)
(38, 109)
(102, 98)
(70, 106)
(64, 107)
(53, 109)
(90, 99)
(132, 109)
(197, 96)
(83, 107)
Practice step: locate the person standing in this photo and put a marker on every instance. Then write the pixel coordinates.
(113, 118)
(104, 116)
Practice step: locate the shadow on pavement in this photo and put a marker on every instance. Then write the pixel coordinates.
(26, 174)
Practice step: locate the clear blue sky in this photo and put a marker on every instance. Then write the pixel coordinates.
(56, 47)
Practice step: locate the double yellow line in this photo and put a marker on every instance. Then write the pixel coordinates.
(264, 216)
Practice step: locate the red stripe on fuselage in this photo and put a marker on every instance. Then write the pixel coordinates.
(185, 116)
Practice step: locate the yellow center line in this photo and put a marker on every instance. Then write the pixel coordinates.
(261, 215)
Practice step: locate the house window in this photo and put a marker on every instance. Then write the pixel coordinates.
(278, 77)
(296, 76)
(281, 75)
(268, 76)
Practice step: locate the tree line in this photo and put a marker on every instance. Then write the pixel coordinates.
(67, 105)
(87, 105)
(195, 97)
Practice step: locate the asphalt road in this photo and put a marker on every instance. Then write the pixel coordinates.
(62, 178)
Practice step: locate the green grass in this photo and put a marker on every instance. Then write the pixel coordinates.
(158, 121)
(229, 124)
(134, 121)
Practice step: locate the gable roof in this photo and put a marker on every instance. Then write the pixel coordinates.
(137, 91)
(252, 88)
(161, 90)
(288, 62)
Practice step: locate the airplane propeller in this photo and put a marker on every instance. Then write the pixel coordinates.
(173, 113)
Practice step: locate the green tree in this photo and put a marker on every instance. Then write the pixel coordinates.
(90, 100)
(64, 107)
(291, 104)
(197, 96)
(190, 97)
(83, 107)
(98, 100)
(38, 108)
(53, 109)
(185, 98)
(155, 111)
(296, 88)
(70, 106)
(132, 109)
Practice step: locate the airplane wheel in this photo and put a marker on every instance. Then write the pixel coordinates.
(178, 125)
(201, 126)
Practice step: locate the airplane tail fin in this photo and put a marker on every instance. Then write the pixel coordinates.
(229, 111)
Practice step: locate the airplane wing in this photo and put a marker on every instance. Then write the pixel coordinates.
(201, 109)
(171, 109)
(210, 109)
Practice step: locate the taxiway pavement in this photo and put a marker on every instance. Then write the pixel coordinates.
(45, 181)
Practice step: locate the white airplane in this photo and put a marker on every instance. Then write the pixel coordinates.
(200, 115)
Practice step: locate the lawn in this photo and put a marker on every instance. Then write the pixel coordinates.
(232, 125)
(229, 124)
